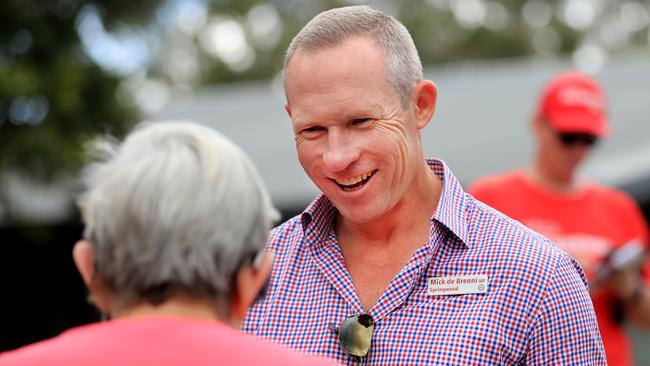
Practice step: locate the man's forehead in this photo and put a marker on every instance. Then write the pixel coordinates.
(323, 45)
(355, 46)
(327, 70)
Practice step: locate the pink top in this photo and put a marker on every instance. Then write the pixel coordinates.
(156, 341)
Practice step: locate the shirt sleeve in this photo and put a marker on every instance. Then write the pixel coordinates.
(565, 330)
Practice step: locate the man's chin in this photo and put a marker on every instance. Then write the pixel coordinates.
(359, 216)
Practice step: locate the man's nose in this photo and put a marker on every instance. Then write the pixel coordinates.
(578, 151)
(340, 153)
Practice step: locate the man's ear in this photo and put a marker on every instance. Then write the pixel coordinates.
(425, 94)
(250, 280)
(83, 256)
(537, 124)
(288, 109)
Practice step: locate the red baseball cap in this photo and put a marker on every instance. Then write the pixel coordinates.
(574, 102)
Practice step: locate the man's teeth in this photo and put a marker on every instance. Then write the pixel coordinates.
(353, 180)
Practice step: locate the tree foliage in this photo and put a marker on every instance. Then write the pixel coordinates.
(52, 97)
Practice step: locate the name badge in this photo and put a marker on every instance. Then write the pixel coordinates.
(457, 285)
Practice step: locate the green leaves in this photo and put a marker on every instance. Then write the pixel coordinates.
(52, 97)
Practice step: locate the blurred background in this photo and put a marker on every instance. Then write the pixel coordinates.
(73, 69)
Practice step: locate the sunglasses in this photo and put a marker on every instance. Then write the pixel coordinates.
(355, 334)
(571, 139)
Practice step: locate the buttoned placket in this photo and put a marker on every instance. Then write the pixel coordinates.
(327, 251)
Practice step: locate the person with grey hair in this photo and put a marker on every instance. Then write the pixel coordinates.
(176, 221)
(394, 264)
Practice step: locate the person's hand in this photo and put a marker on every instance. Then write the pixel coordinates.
(621, 272)
(625, 283)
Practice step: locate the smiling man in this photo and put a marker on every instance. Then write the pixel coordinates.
(394, 264)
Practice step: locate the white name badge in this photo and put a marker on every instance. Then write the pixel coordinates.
(457, 285)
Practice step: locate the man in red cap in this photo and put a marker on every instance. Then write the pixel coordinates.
(601, 227)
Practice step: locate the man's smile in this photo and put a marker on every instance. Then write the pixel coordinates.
(356, 182)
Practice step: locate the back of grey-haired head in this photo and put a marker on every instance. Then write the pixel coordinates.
(176, 207)
(331, 27)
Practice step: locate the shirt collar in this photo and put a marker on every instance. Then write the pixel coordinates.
(453, 201)
(318, 217)
(450, 212)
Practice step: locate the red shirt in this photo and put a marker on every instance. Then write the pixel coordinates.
(159, 341)
(587, 224)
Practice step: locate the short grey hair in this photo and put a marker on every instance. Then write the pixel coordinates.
(331, 27)
(176, 207)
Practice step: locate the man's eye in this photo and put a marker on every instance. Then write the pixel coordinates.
(360, 121)
(312, 129)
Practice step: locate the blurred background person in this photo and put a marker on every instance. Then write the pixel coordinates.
(176, 219)
(601, 227)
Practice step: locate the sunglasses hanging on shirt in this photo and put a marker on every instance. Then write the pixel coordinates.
(355, 334)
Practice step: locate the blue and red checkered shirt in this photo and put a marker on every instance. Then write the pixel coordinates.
(536, 310)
